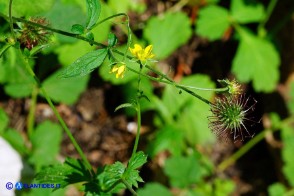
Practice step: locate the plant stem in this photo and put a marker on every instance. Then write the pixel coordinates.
(138, 109)
(226, 163)
(61, 121)
(269, 11)
(223, 165)
(92, 42)
(31, 117)
(178, 86)
(129, 187)
(11, 21)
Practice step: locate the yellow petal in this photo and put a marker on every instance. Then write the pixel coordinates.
(148, 49)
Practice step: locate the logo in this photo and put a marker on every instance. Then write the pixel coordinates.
(9, 185)
(18, 186)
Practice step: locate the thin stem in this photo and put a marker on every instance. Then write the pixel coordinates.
(226, 163)
(138, 109)
(61, 121)
(108, 18)
(92, 42)
(269, 11)
(179, 86)
(129, 187)
(10, 20)
(31, 117)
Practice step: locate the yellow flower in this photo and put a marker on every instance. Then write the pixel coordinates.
(119, 69)
(142, 54)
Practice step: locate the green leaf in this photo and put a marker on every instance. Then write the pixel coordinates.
(287, 153)
(23, 8)
(45, 143)
(124, 105)
(131, 175)
(247, 11)
(94, 9)
(111, 175)
(70, 172)
(137, 160)
(62, 16)
(154, 189)
(4, 49)
(4, 120)
(257, 60)
(112, 40)
(167, 33)
(78, 29)
(16, 141)
(213, 22)
(65, 90)
(277, 189)
(167, 138)
(19, 90)
(18, 82)
(85, 64)
(183, 171)
(189, 112)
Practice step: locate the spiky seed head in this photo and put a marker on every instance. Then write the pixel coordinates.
(31, 36)
(230, 117)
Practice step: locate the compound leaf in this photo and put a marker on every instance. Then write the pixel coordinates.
(256, 60)
(70, 172)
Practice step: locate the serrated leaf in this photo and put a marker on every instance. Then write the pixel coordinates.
(247, 11)
(85, 64)
(131, 175)
(65, 90)
(154, 189)
(137, 160)
(70, 172)
(257, 60)
(167, 33)
(78, 29)
(213, 21)
(45, 143)
(4, 120)
(183, 171)
(94, 9)
(124, 105)
(111, 175)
